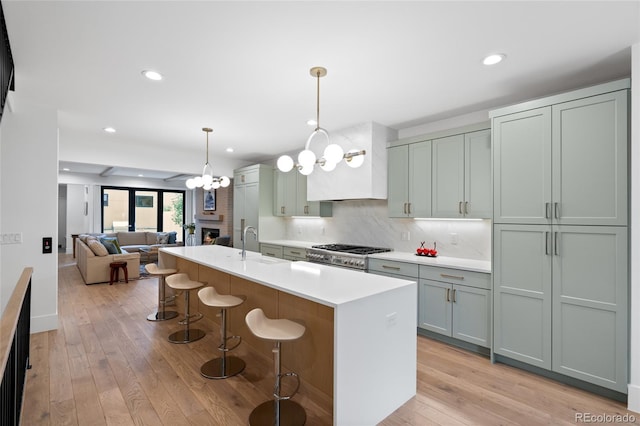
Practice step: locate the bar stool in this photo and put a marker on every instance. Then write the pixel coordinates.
(225, 366)
(182, 282)
(281, 408)
(160, 314)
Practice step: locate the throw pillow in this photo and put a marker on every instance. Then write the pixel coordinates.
(97, 248)
(113, 242)
(162, 238)
(172, 237)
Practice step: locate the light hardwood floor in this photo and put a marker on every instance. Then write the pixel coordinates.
(107, 365)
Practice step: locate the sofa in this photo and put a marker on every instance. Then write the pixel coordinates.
(94, 268)
(93, 259)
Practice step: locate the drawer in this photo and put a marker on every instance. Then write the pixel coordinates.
(271, 250)
(295, 252)
(393, 267)
(245, 176)
(456, 276)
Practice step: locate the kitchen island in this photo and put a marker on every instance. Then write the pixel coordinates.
(358, 355)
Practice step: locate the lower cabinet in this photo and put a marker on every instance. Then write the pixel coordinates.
(448, 307)
(294, 253)
(271, 250)
(561, 300)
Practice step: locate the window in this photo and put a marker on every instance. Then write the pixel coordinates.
(131, 209)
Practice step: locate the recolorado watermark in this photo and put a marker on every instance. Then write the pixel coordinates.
(604, 418)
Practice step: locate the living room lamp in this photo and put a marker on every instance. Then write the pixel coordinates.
(333, 153)
(207, 181)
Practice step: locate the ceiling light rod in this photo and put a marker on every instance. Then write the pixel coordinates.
(207, 181)
(333, 153)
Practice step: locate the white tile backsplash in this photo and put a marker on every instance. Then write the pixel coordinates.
(365, 222)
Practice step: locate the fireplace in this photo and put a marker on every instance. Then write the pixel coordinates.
(208, 234)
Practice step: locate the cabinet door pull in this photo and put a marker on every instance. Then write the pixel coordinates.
(404, 208)
(295, 252)
(408, 208)
(448, 291)
(547, 210)
(557, 210)
(460, 207)
(546, 243)
(281, 209)
(555, 244)
(454, 295)
(396, 268)
(466, 207)
(306, 209)
(455, 277)
(270, 254)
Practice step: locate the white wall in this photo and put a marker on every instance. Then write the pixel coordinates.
(634, 382)
(29, 205)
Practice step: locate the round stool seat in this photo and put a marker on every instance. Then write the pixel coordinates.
(273, 329)
(153, 269)
(210, 297)
(182, 282)
(161, 314)
(226, 365)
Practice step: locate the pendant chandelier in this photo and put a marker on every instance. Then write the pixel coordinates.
(333, 153)
(207, 181)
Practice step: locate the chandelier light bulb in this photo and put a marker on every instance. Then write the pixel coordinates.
(191, 183)
(285, 163)
(333, 153)
(355, 161)
(224, 181)
(328, 166)
(215, 184)
(306, 170)
(198, 181)
(307, 159)
(207, 186)
(207, 180)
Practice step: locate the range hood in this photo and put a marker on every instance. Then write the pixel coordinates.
(369, 181)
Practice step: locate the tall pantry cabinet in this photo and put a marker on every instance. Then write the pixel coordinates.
(252, 201)
(560, 233)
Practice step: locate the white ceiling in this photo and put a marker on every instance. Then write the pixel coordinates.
(242, 68)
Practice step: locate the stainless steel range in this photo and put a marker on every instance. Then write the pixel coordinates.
(344, 255)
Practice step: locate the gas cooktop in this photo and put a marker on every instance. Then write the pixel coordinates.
(351, 249)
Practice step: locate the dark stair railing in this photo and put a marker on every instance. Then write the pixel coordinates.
(14, 350)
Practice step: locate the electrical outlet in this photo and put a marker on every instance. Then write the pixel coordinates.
(392, 319)
(454, 238)
(405, 236)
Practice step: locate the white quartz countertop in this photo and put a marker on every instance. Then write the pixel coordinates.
(290, 243)
(327, 285)
(441, 261)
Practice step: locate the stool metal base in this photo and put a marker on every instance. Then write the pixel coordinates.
(186, 336)
(162, 316)
(221, 368)
(192, 318)
(291, 414)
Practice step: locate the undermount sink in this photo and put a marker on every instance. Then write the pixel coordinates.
(265, 260)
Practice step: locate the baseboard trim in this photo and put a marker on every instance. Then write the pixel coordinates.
(44, 323)
(633, 401)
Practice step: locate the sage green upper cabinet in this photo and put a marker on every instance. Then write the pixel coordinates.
(290, 197)
(409, 185)
(461, 173)
(522, 167)
(564, 164)
(589, 180)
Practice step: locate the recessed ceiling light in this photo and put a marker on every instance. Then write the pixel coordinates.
(66, 169)
(109, 130)
(140, 175)
(493, 59)
(312, 122)
(229, 149)
(152, 75)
